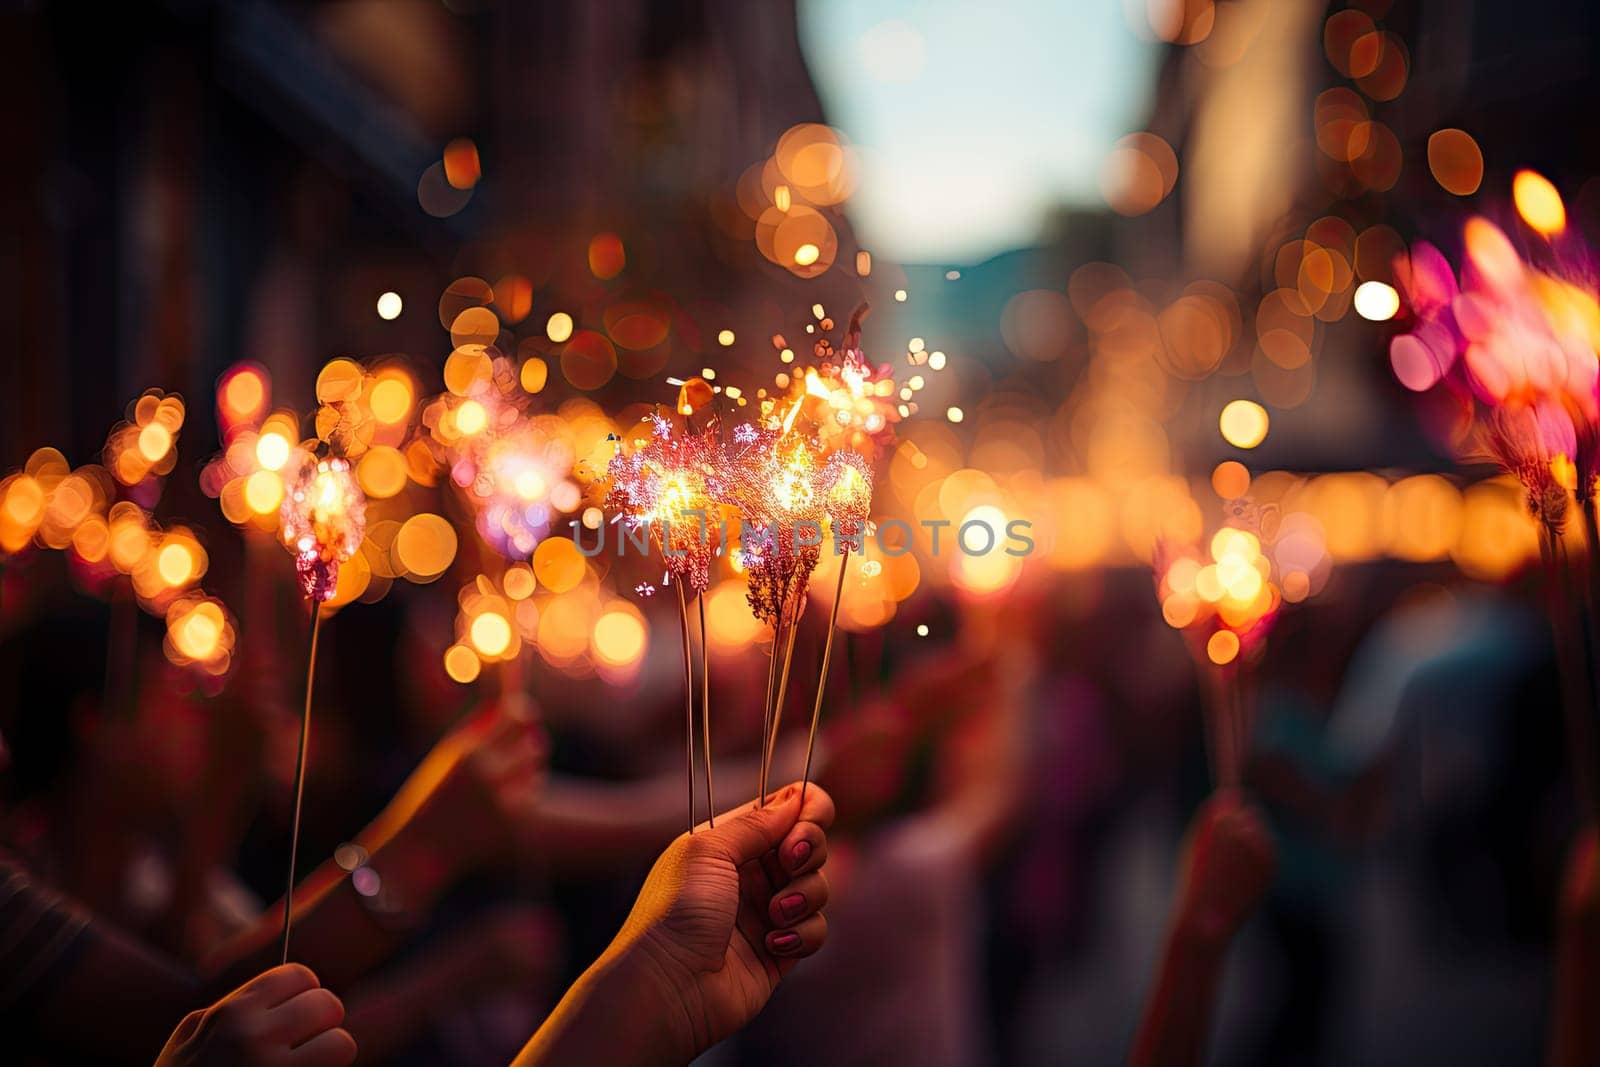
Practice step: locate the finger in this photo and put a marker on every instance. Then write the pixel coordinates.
(271, 988)
(316, 1011)
(331, 1048)
(800, 940)
(750, 831)
(187, 1028)
(803, 897)
(818, 805)
(804, 848)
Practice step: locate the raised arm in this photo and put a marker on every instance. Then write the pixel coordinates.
(454, 813)
(722, 917)
(1226, 868)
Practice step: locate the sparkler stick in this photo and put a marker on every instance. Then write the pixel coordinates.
(822, 677)
(705, 708)
(323, 520)
(784, 624)
(1576, 701)
(783, 691)
(1589, 602)
(663, 481)
(688, 701)
(300, 778)
(766, 712)
(849, 504)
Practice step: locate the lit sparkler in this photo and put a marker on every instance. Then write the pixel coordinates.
(323, 520)
(664, 487)
(1225, 602)
(1515, 339)
(849, 504)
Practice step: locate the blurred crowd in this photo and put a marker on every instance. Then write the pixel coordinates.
(1011, 794)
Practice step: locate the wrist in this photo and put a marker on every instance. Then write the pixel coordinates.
(631, 973)
(623, 1010)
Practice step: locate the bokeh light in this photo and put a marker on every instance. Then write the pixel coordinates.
(1243, 423)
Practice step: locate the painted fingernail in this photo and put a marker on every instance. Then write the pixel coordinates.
(784, 943)
(792, 906)
(802, 852)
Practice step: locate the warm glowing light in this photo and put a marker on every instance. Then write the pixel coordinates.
(391, 401)
(607, 256)
(732, 624)
(518, 582)
(1456, 161)
(198, 633)
(1230, 479)
(390, 306)
(558, 327)
(244, 394)
(806, 255)
(176, 564)
(530, 485)
(154, 440)
(558, 565)
(425, 546)
(619, 638)
(1538, 202)
(1223, 647)
(725, 338)
(1179, 610)
(272, 450)
(263, 492)
(471, 418)
(491, 634)
(322, 522)
(461, 664)
(462, 167)
(533, 375)
(1243, 423)
(1376, 301)
(955, 414)
(382, 471)
(24, 501)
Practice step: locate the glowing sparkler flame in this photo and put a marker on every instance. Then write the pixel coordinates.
(663, 486)
(1519, 339)
(322, 520)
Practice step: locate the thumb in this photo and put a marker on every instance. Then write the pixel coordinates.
(187, 1028)
(753, 832)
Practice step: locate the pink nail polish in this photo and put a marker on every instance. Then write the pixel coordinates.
(802, 852)
(792, 906)
(785, 943)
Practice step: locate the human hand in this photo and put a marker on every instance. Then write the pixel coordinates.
(475, 792)
(1227, 865)
(724, 914)
(281, 1017)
